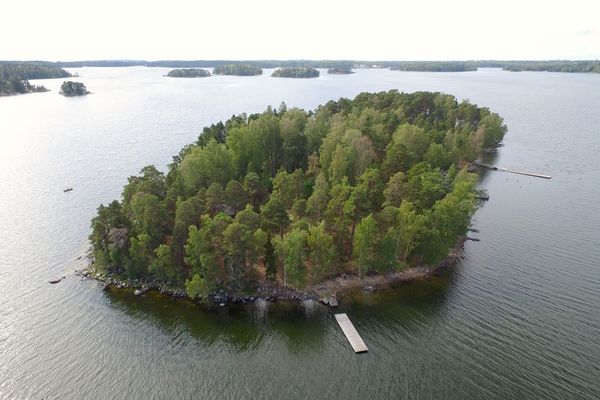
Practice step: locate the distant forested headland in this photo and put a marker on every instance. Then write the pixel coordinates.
(188, 73)
(459, 66)
(237, 69)
(340, 71)
(362, 186)
(433, 66)
(295, 72)
(14, 76)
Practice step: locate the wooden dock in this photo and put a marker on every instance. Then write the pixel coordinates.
(351, 334)
(512, 171)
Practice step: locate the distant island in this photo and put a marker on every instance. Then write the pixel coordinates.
(295, 72)
(227, 66)
(14, 76)
(70, 89)
(285, 201)
(340, 71)
(237, 69)
(188, 73)
(435, 66)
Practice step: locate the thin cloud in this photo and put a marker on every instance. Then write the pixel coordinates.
(587, 32)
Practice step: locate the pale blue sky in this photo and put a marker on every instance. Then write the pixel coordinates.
(313, 29)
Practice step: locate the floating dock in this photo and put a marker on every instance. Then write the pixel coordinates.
(512, 171)
(351, 334)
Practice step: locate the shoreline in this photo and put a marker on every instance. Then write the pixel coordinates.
(326, 292)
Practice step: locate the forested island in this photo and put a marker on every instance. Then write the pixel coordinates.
(188, 73)
(237, 69)
(340, 71)
(553, 66)
(435, 66)
(14, 76)
(294, 198)
(70, 89)
(295, 72)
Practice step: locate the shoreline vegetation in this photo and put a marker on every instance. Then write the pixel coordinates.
(15, 76)
(584, 66)
(327, 292)
(289, 200)
(237, 69)
(295, 72)
(340, 71)
(188, 73)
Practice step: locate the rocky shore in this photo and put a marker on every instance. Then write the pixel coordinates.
(326, 292)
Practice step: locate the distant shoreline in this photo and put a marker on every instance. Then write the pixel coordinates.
(584, 66)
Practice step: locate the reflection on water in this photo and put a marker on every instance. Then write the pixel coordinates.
(302, 326)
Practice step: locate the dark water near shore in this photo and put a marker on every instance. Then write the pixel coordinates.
(518, 318)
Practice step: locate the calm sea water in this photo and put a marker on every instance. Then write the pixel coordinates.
(518, 318)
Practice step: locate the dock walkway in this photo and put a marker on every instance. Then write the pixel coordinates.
(351, 334)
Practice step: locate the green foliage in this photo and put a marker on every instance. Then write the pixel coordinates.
(237, 69)
(437, 156)
(396, 189)
(188, 73)
(318, 200)
(140, 254)
(196, 287)
(340, 71)
(435, 66)
(208, 164)
(70, 88)
(295, 72)
(270, 259)
(163, 265)
(255, 189)
(370, 183)
(187, 213)
(149, 216)
(235, 196)
(365, 243)
(321, 251)
(292, 249)
(274, 215)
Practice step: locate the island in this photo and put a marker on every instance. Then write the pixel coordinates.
(295, 72)
(340, 71)
(435, 66)
(285, 203)
(188, 73)
(14, 77)
(70, 89)
(551, 66)
(237, 69)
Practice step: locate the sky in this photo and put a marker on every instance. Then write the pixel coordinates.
(68, 30)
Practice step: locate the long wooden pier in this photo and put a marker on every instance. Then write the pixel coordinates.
(512, 171)
(351, 334)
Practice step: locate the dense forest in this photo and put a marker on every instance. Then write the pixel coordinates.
(188, 73)
(435, 66)
(553, 66)
(458, 66)
(368, 185)
(237, 69)
(340, 71)
(295, 72)
(70, 88)
(14, 76)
